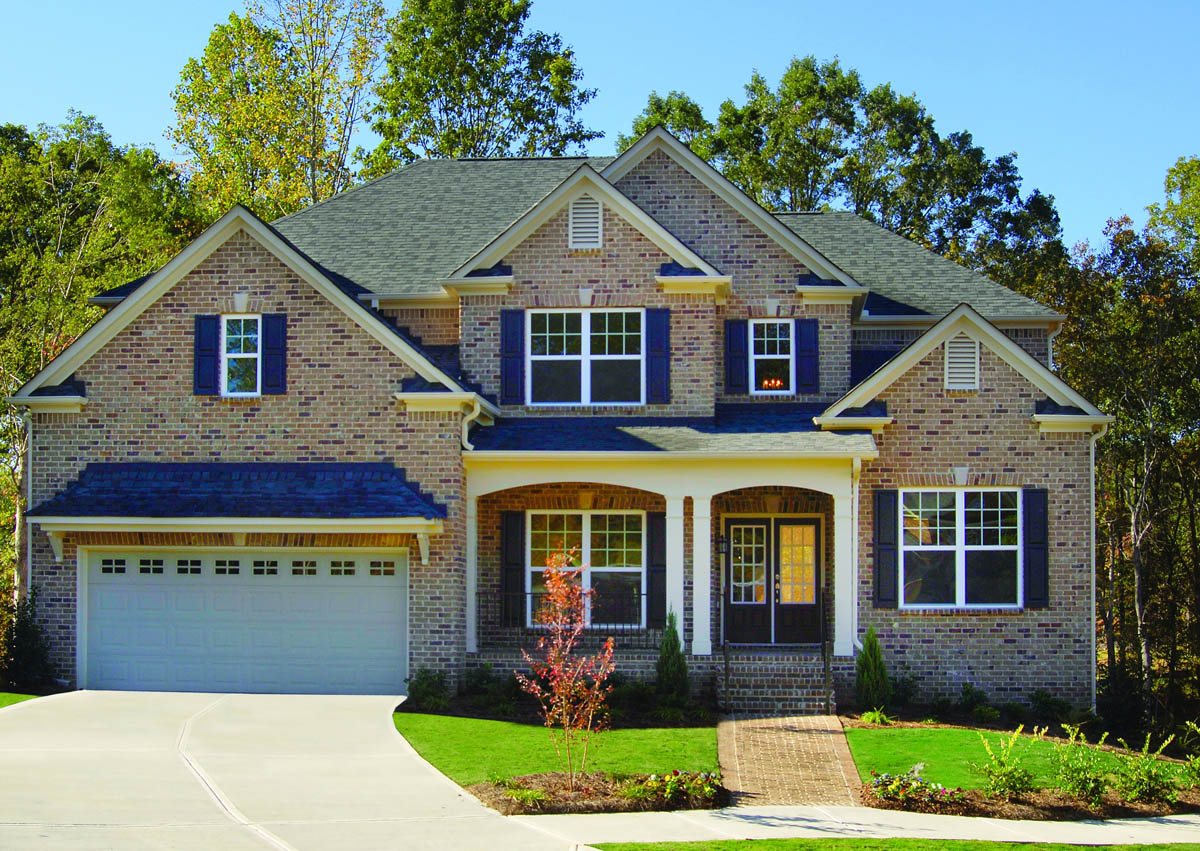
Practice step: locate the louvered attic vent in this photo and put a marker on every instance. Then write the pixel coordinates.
(585, 223)
(962, 363)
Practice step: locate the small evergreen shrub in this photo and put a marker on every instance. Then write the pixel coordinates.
(971, 697)
(24, 652)
(671, 673)
(1013, 713)
(427, 691)
(871, 688)
(1005, 778)
(942, 708)
(1047, 707)
(985, 714)
(1080, 770)
(1143, 776)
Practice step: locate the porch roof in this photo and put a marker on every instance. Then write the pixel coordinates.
(775, 428)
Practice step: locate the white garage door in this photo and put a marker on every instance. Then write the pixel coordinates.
(288, 622)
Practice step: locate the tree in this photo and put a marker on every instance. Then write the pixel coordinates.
(464, 79)
(679, 114)
(1177, 218)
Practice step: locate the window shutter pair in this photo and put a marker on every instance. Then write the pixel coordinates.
(805, 346)
(206, 360)
(1035, 548)
(658, 356)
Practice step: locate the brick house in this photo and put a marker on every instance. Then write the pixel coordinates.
(321, 453)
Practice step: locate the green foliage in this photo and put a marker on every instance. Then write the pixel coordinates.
(985, 714)
(971, 697)
(911, 787)
(671, 673)
(468, 80)
(1144, 776)
(877, 717)
(1004, 775)
(1081, 771)
(24, 652)
(942, 708)
(428, 691)
(490, 693)
(532, 798)
(871, 686)
(681, 115)
(1013, 713)
(694, 789)
(1047, 707)
(1177, 218)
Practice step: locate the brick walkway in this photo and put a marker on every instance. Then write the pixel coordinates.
(802, 759)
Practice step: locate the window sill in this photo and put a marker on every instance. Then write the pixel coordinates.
(239, 399)
(988, 611)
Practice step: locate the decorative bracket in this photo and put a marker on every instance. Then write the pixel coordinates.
(423, 544)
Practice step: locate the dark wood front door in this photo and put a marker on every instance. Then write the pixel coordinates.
(773, 580)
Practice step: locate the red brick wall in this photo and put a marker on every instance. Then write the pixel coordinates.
(435, 326)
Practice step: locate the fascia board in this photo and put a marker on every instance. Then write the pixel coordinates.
(875, 424)
(1071, 422)
(440, 298)
(395, 525)
(584, 177)
(517, 455)
(829, 295)
(660, 139)
(50, 404)
(962, 318)
(461, 402)
(119, 317)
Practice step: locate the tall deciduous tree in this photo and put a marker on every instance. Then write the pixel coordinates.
(465, 79)
(679, 114)
(1177, 218)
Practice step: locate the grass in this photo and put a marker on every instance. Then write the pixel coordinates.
(864, 845)
(947, 753)
(472, 750)
(8, 698)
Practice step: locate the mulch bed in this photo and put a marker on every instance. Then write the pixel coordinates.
(595, 792)
(1042, 805)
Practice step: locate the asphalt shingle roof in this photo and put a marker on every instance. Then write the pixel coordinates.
(366, 490)
(902, 271)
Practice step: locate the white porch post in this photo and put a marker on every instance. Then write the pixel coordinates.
(844, 593)
(701, 575)
(472, 573)
(675, 559)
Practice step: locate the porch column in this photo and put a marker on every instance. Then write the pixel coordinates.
(844, 592)
(675, 560)
(701, 575)
(472, 573)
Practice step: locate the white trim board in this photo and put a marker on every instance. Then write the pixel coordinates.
(962, 319)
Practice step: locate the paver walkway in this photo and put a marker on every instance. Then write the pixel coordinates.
(796, 760)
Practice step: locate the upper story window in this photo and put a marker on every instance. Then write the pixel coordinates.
(962, 363)
(960, 548)
(586, 357)
(586, 224)
(772, 367)
(241, 361)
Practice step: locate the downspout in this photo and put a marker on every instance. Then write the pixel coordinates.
(27, 418)
(476, 410)
(1092, 546)
(855, 476)
(1050, 345)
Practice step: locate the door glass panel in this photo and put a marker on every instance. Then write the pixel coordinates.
(748, 564)
(797, 563)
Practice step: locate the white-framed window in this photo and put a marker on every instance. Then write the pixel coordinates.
(961, 548)
(241, 354)
(962, 363)
(610, 546)
(772, 357)
(586, 224)
(586, 357)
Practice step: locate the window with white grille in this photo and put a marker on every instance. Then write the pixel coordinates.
(585, 226)
(962, 363)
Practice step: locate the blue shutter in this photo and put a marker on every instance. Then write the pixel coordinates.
(808, 356)
(512, 357)
(512, 568)
(656, 569)
(887, 564)
(1036, 521)
(274, 354)
(206, 361)
(658, 355)
(737, 356)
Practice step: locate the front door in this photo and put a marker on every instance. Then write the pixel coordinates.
(772, 580)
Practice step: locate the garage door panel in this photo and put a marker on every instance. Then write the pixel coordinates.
(311, 631)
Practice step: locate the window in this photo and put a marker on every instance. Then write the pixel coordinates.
(586, 224)
(586, 357)
(611, 547)
(960, 548)
(962, 363)
(772, 369)
(241, 366)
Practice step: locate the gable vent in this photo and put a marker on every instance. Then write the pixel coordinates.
(962, 363)
(585, 223)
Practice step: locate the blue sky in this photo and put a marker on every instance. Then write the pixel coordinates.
(1098, 99)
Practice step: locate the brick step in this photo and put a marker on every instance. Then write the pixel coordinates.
(774, 682)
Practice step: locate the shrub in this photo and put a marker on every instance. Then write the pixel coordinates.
(876, 716)
(871, 680)
(671, 673)
(24, 652)
(489, 693)
(970, 697)
(1013, 713)
(532, 798)
(911, 787)
(1143, 776)
(942, 708)
(1047, 707)
(1191, 769)
(1080, 770)
(427, 690)
(696, 788)
(985, 714)
(1003, 772)
(904, 690)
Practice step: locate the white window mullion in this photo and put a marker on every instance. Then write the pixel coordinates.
(960, 549)
(585, 354)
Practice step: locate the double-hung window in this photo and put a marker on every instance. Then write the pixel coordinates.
(772, 367)
(960, 548)
(610, 546)
(241, 360)
(586, 357)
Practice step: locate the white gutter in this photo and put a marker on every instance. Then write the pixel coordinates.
(855, 476)
(476, 410)
(650, 455)
(27, 417)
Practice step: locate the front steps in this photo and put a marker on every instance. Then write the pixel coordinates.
(774, 681)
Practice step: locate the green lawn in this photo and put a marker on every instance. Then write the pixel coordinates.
(7, 698)
(866, 845)
(471, 750)
(947, 753)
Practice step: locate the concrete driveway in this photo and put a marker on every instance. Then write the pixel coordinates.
(103, 769)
